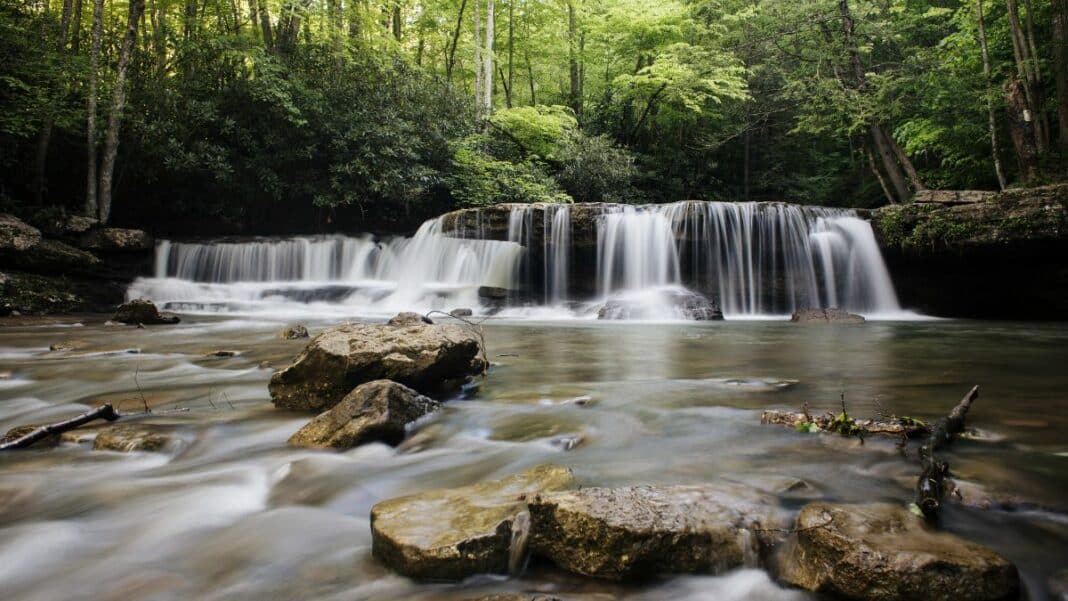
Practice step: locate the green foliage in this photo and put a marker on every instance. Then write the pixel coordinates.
(538, 130)
(478, 179)
(594, 169)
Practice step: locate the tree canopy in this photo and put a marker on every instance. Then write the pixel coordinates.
(201, 116)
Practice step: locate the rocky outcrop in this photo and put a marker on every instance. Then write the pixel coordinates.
(114, 239)
(640, 532)
(143, 312)
(375, 411)
(429, 358)
(831, 315)
(882, 552)
(997, 258)
(15, 235)
(128, 439)
(454, 533)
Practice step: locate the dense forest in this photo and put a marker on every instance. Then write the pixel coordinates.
(258, 116)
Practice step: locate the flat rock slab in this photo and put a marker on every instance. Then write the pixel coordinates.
(832, 315)
(454, 533)
(375, 411)
(882, 552)
(641, 532)
(429, 358)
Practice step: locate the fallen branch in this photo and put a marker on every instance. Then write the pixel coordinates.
(102, 412)
(931, 485)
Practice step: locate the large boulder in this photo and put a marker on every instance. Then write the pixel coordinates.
(429, 358)
(454, 533)
(640, 532)
(831, 315)
(114, 239)
(141, 311)
(375, 411)
(882, 552)
(16, 235)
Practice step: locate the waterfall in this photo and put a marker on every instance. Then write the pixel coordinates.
(751, 259)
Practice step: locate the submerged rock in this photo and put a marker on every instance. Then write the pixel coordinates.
(680, 304)
(640, 532)
(127, 439)
(882, 552)
(461, 313)
(375, 411)
(19, 431)
(141, 311)
(454, 533)
(294, 333)
(493, 292)
(69, 345)
(428, 358)
(832, 315)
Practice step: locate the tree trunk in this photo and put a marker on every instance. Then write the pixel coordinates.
(478, 60)
(530, 78)
(511, 47)
(450, 60)
(1060, 68)
(396, 21)
(890, 166)
(1021, 129)
(991, 119)
(1028, 75)
(44, 137)
(118, 103)
(265, 25)
(879, 177)
(76, 28)
(1042, 129)
(487, 77)
(94, 76)
(572, 59)
(190, 23)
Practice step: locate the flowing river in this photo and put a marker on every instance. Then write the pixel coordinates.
(233, 513)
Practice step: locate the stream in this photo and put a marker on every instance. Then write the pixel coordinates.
(233, 513)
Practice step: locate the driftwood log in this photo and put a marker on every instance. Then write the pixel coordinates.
(102, 412)
(889, 427)
(931, 485)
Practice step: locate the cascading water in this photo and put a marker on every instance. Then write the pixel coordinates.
(751, 258)
(349, 274)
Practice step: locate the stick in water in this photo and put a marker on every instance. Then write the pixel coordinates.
(102, 412)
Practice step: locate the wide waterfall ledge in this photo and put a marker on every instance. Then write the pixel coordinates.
(540, 261)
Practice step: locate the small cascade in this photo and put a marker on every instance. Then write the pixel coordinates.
(557, 252)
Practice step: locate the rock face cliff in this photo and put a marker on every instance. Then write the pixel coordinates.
(978, 254)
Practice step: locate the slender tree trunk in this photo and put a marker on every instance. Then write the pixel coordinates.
(94, 76)
(511, 47)
(254, 19)
(1022, 129)
(265, 25)
(572, 59)
(1042, 127)
(530, 78)
(879, 176)
(450, 59)
(991, 119)
(478, 60)
(487, 77)
(396, 21)
(118, 103)
(1028, 74)
(890, 166)
(1060, 68)
(44, 137)
(76, 28)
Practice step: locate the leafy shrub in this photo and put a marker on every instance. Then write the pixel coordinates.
(593, 169)
(479, 179)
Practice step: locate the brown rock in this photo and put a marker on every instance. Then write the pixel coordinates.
(116, 239)
(375, 411)
(832, 315)
(143, 312)
(882, 552)
(126, 439)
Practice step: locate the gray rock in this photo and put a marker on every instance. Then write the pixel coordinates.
(127, 438)
(375, 411)
(454, 533)
(461, 312)
(492, 292)
(640, 532)
(141, 311)
(408, 319)
(832, 315)
(429, 358)
(16, 235)
(114, 239)
(882, 552)
(294, 333)
(685, 304)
